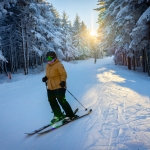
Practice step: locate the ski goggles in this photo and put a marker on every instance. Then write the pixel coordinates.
(49, 58)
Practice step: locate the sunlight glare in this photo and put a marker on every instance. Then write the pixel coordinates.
(110, 76)
(93, 33)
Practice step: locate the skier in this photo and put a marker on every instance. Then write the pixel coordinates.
(56, 83)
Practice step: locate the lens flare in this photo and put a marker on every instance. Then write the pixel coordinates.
(93, 33)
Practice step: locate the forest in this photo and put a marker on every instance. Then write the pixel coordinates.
(31, 28)
(124, 31)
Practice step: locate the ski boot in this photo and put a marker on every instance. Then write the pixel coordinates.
(69, 119)
(56, 119)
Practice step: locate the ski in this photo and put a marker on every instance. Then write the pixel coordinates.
(46, 126)
(54, 128)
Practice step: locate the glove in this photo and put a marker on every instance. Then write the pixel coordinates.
(44, 79)
(62, 84)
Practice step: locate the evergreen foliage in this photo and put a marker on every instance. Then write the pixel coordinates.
(30, 28)
(124, 30)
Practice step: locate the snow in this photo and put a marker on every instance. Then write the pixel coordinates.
(144, 17)
(39, 36)
(127, 18)
(118, 39)
(42, 20)
(57, 41)
(2, 57)
(120, 100)
(122, 12)
(37, 50)
(4, 11)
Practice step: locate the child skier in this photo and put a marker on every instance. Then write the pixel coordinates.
(56, 83)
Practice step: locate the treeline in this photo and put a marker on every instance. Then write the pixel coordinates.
(30, 28)
(124, 31)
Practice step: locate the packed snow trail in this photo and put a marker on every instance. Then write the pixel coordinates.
(119, 98)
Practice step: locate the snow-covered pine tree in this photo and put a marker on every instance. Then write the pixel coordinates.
(140, 39)
(32, 30)
(67, 46)
(117, 21)
(85, 41)
(76, 35)
(80, 41)
(7, 36)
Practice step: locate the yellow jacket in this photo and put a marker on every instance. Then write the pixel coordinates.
(55, 73)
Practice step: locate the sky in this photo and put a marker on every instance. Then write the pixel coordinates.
(119, 99)
(84, 8)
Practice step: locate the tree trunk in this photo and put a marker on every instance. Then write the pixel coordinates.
(129, 63)
(143, 61)
(27, 51)
(23, 47)
(123, 58)
(133, 61)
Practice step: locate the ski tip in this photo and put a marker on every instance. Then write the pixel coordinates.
(28, 134)
(90, 110)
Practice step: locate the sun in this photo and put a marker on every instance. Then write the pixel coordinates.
(93, 33)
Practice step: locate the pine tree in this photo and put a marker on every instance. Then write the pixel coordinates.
(32, 30)
(80, 40)
(119, 21)
(67, 47)
(85, 41)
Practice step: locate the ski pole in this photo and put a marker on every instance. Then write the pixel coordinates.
(76, 99)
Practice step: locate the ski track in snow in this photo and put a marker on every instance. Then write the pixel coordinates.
(120, 119)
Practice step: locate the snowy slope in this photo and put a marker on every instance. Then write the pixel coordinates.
(120, 100)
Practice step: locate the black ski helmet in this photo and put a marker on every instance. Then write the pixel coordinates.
(51, 54)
